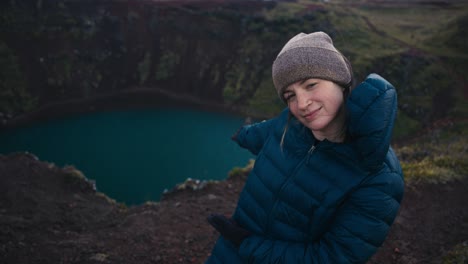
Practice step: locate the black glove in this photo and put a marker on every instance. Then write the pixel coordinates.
(247, 121)
(228, 228)
(234, 137)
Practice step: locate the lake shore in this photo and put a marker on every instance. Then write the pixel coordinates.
(136, 98)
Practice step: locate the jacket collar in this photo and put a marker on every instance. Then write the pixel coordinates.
(371, 110)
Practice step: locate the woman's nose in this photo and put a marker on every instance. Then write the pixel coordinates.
(302, 100)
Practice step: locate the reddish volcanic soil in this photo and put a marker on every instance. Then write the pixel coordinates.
(53, 215)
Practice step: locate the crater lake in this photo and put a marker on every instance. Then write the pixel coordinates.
(133, 156)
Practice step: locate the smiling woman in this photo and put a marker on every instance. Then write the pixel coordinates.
(134, 155)
(319, 105)
(326, 185)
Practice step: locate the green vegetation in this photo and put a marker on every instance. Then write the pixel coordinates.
(240, 172)
(458, 255)
(166, 66)
(144, 67)
(405, 126)
(420, 49)
(109, 200)
(263, 101)
(439, 156)
(14, 95)
(224, 53)
(414, 24)
(74, 175)
(283, 10)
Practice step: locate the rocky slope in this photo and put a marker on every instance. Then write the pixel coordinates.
(95, 55)
(55, 215)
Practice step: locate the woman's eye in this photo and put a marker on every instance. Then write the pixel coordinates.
(288, 96)
(311, 85)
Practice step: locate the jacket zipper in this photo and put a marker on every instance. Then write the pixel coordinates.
(309, 153)
(306, 159)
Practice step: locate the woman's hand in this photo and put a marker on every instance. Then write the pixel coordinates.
(228, 228)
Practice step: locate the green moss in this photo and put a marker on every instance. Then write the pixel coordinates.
(144, 67)
(247, 72)
(415, 25)
(434, 170)
(354, 36)
(14, 95)
(167, 65)
(239, 172)
(60, 70)
(283, 9)
(439, 156)
(458, 255)
(120, 206)
(420, 49)
(449, 39)
(73, 173)
(405, 126)
(265, 101)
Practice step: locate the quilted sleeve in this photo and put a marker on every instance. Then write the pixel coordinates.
(254, 136)
(359, 228)
(372, 109)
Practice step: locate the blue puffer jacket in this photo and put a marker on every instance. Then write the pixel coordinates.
(333, 203)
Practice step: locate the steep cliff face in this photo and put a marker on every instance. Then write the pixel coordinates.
(57, 52)
(65, 50)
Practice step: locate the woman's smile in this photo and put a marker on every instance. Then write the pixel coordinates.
(311, 115)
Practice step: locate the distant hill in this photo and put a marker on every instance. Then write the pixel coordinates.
(220, 52)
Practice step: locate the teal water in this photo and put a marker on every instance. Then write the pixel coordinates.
(134, 155)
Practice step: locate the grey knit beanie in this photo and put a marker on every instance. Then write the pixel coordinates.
(309, 56)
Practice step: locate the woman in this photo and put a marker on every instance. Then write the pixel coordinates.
(326, 185)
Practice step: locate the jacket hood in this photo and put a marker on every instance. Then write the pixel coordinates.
(372, 108)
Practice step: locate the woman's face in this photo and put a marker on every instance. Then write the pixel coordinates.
(317, 104)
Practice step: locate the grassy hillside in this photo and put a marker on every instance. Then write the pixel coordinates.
(421, 48)
(438, 156)
(222, 51)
